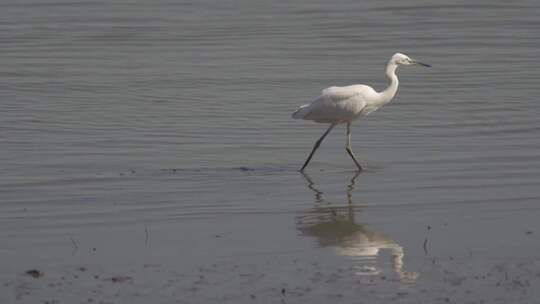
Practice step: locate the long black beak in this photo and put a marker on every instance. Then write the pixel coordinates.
(422, 64)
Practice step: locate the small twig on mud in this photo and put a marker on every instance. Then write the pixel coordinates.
(426, 240)
(75, 246)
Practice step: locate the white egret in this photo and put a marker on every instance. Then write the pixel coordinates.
(338, 105)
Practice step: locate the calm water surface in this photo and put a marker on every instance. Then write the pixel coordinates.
(154, 140)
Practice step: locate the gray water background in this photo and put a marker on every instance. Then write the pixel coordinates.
(174, 117)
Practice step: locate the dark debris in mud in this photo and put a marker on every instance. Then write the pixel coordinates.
(242, 169)
(35, 273)
(119, 279)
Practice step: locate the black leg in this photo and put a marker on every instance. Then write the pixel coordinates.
(348, 147)
(317, 144)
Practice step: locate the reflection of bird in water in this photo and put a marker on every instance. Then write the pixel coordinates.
(335, 226)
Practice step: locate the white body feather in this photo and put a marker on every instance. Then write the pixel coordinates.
(339, 104)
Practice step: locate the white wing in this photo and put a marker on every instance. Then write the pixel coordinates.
(335, 105)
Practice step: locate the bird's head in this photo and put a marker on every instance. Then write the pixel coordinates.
(403, 59)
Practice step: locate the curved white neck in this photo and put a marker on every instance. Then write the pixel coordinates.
(392, 88)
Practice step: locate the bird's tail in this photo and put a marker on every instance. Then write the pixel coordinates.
(301, 112)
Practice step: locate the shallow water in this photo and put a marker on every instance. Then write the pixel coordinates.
(154, 141)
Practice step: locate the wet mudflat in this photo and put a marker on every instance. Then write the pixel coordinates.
(326, 242)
